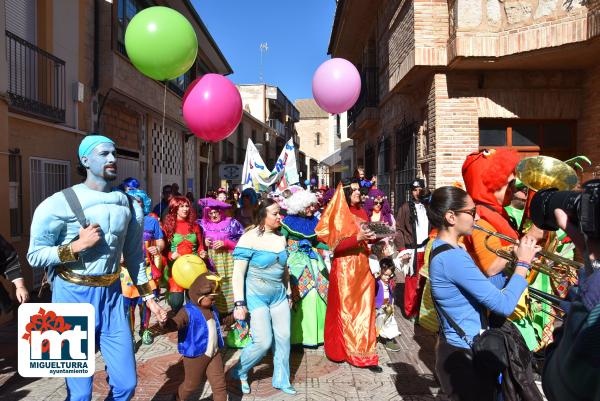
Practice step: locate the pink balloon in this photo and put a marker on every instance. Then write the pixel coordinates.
(212, 107)
(336, 85)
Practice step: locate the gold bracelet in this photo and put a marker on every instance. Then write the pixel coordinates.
(145, 289)
(65, 253)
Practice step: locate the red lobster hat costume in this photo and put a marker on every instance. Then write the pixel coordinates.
(485, 173)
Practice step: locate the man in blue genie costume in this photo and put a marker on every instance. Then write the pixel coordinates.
(80, 242)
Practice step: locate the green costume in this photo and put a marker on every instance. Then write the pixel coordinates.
(536, 326)
(309, 280)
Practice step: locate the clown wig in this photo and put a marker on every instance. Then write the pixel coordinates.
(299, 201)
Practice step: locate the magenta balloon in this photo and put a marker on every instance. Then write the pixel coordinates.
(336, 85)
(212, 107)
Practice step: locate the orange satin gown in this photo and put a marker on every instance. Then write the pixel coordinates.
(350, 333)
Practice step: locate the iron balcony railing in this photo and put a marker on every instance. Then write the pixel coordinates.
(278, 126)
(36, 80)
(369, 94)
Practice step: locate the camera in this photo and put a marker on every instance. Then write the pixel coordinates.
(583, 208)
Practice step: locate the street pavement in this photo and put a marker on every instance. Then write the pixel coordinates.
(407, 374)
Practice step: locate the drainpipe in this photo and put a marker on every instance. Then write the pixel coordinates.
(96, 46)
(96, 77)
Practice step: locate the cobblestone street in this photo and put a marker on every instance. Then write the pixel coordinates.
(407, 374)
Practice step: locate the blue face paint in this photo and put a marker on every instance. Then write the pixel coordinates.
(101, 163)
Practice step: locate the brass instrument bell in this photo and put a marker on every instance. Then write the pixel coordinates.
(543, 172)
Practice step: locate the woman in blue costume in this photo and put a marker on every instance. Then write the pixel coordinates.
(261, 287)
(308, 272)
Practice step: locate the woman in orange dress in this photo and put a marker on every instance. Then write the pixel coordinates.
(350, 333)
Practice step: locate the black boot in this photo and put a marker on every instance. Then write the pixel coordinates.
(375, 368)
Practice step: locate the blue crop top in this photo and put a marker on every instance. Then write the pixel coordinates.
(265, 265)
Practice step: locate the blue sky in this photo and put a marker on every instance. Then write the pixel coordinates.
(297, 33)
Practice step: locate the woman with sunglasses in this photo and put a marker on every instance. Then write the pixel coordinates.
(461, 291)
(378, 208)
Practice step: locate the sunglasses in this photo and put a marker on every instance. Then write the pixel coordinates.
(472, 212)
(378, 202)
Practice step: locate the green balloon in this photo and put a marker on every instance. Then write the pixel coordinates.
(161, 43)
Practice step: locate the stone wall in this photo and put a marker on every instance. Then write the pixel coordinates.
(494, 28)
(396, 43)
(410, 33)
(462, 98)
(121, 125)
(456, 130)
(307, 129)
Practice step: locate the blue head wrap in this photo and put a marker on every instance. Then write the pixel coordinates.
(143, 196)
(90, 142)
(131, 183)
(251, 193)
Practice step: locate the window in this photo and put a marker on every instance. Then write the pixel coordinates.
(317, 139)
(550, 138)
(227, 152)
(338, 126)
(180, 84)
(47, 177)
(126, 10)
(492, 134)
(241, 150)
(371, 161)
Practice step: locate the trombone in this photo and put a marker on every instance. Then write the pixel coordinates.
(549, 300)
(559, 269)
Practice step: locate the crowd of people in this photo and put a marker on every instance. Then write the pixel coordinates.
(304, 267)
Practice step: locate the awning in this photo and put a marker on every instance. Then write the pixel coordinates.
(333, 158)
(336, 157)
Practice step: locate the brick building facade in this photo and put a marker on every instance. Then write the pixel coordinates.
(445, 78)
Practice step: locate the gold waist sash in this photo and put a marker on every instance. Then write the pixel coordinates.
(90, 281)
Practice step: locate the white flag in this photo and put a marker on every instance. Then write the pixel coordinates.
(255, 174)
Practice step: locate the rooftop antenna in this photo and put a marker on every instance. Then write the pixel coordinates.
(264, 47)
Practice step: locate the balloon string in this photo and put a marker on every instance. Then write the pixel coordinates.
(162, 141)
(208, 167)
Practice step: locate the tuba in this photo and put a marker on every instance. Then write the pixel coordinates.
(543, 172)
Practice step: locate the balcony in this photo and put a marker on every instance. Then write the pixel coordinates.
(36, 80)
(364, 113)
(279, 127)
